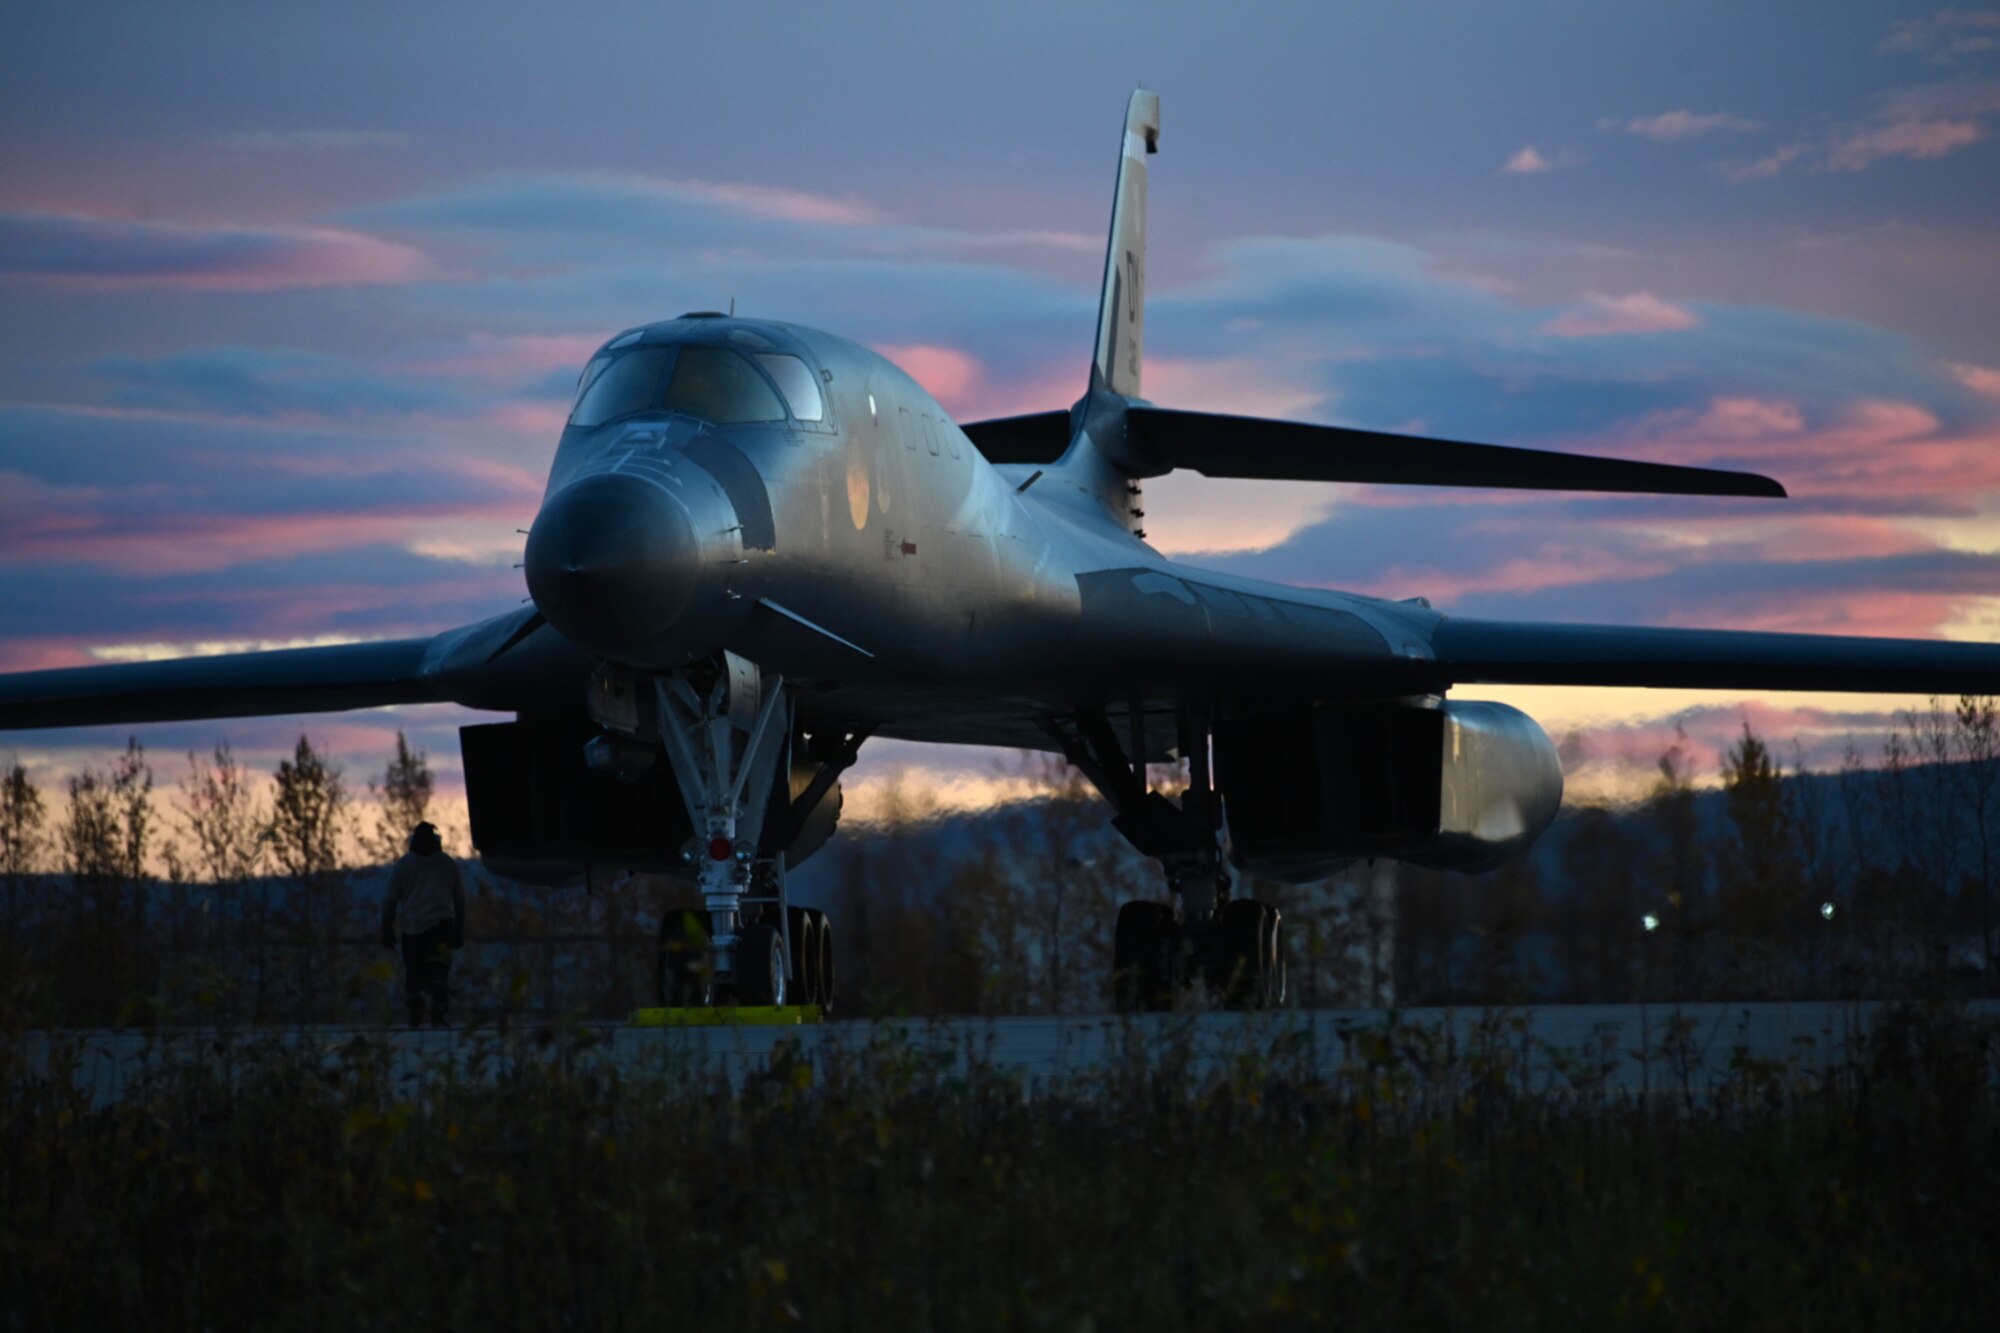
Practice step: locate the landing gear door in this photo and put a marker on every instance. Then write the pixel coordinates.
(745, 691)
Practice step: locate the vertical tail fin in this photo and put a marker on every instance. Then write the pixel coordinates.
(1121, 310)
(1102, 454)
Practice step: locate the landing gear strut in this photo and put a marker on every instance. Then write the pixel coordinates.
(728, 731)
(1200, 933)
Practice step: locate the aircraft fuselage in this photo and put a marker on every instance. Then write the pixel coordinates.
(876, 553)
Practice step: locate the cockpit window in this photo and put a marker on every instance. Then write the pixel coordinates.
(720, 386)
(588, 377)
(796, 381)
(629, 383)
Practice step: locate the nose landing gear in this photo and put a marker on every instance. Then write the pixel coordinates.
(728, 732)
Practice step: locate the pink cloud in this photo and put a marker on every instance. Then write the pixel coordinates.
(43, 654)
(1877, 448)
(946, 373)
(1980, 379)
(98, 526)
(1640, 312)
(1732, 421)
(190, 543)
(772, 201)
(1952, 33)
(1705, 736)
(1919, 139)
(1673, 126)
(274, 613)
(1556, 565)
(1818, 536)
(1749, 419)
(109, 253)
(1527, 162)
(508, 356)
(1237, 386)
(535, 420)
(1883, 613)
(1920, 124)
(1766, 166)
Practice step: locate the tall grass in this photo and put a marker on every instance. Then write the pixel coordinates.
(1397, 1180)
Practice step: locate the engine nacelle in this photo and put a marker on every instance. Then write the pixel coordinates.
(1309, 787)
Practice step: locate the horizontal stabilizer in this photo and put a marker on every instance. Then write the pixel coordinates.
(1258, 448)
(1039, 437)
(1223, 446)
(1494, 652)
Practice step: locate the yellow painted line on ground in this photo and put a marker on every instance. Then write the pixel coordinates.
(740, 1015)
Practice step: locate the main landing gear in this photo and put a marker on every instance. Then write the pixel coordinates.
(730, 734)
(1199, 935)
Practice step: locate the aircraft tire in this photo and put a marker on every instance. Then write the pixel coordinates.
(823, 996)
(1243, 964)
(803, 922)
(1275, 986)
(760, 966)
(680, 975)
(1142, 955)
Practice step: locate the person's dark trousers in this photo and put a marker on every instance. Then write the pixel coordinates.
(427, 972)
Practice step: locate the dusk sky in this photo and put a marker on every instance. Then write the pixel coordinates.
(296, 295)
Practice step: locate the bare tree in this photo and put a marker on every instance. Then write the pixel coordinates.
(102, 957)
(1683, 868)
(230, 830)
(1977, 744)
(403, 800)
(90, 835)
(1765, 877)
(132, 794)
(309, 810)
(1598, 936)
(1431, 918)
(1074, 879)
(221, 813)
(23, 841)
(1931, 832)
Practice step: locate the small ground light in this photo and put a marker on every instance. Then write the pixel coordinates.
(1650, 922)
(1826, 911)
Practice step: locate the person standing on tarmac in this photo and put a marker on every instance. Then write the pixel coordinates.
(427, 892)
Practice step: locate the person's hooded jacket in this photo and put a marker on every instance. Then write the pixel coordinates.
(425, 890)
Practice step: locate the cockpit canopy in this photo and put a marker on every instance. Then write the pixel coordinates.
(716, 384)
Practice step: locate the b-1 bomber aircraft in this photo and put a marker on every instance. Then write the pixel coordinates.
(762, 544)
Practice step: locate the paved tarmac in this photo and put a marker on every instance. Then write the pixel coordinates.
(1653, 1049)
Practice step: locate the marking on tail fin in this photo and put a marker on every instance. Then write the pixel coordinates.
(1121, 311)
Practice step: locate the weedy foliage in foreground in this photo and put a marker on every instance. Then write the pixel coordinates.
(1391, 1179)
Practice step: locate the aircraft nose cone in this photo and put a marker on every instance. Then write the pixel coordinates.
(612, 563)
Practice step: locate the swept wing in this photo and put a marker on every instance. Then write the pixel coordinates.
(499, 663)
(1497, 652)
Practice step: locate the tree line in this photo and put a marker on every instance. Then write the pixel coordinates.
(1873, 880)
(229, 898)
